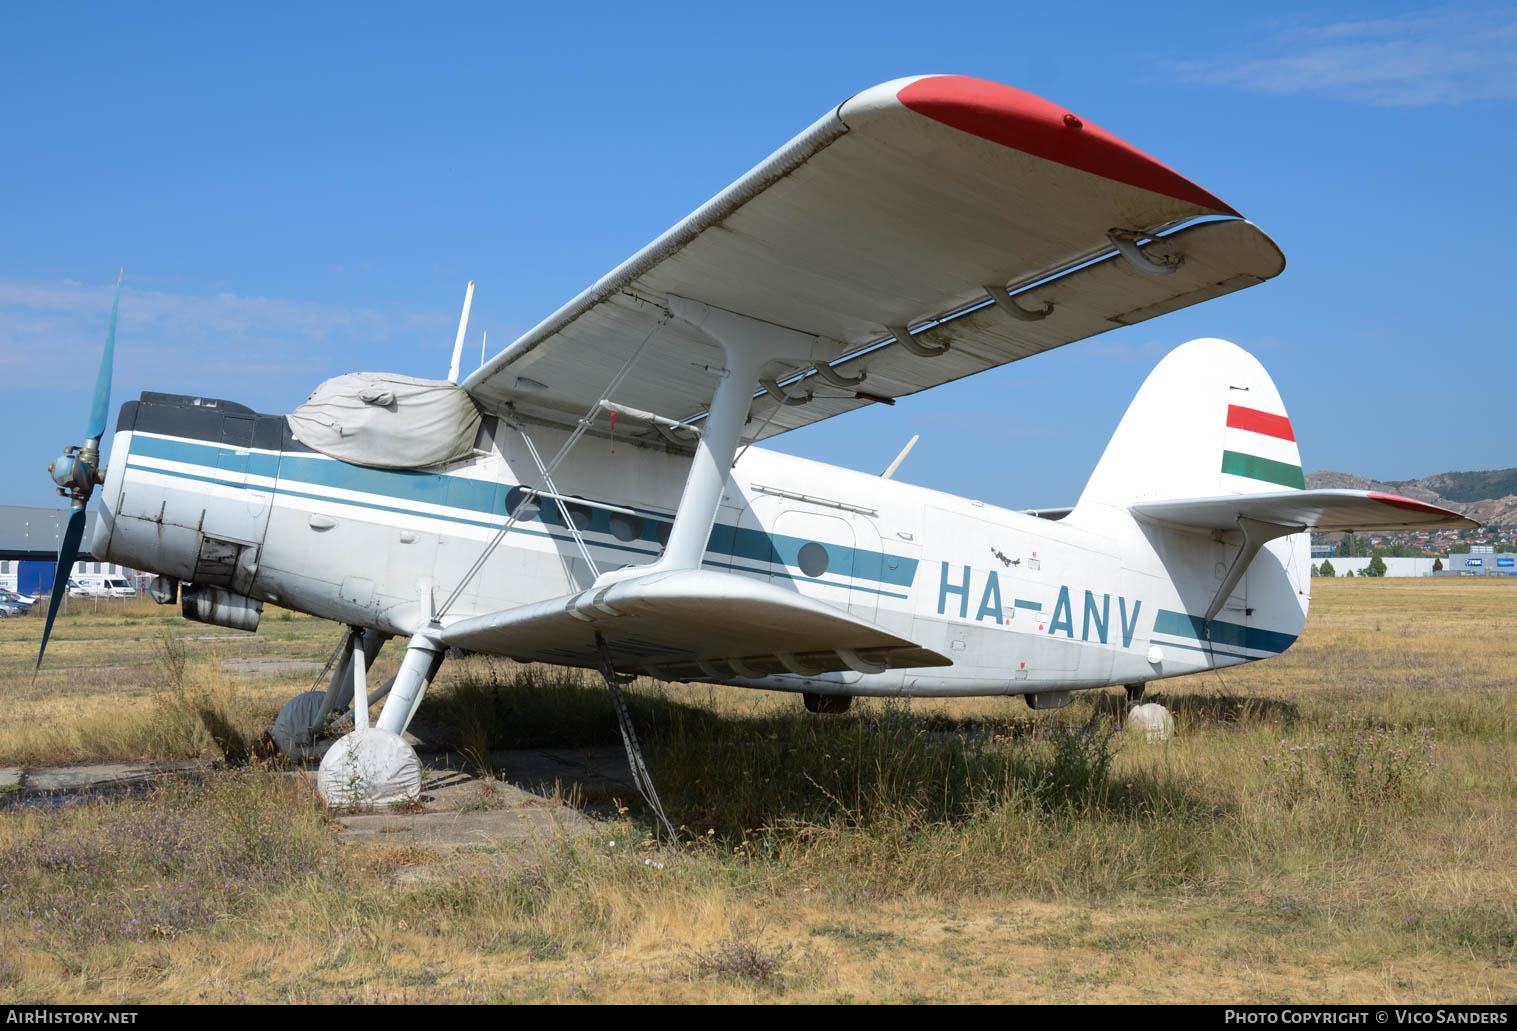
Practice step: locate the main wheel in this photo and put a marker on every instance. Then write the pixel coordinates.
(368, 769)
(292, 730)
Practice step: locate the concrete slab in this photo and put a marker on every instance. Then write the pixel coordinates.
(461, 811)
(76, 779)
(489, 829)
(596, 774)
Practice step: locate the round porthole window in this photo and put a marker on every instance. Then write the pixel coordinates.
(626, 527)
(812, 559)
(514, 499)
(581, 515)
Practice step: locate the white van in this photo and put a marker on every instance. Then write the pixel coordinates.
(100, 585)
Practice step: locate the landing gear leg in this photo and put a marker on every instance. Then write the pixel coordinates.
(423, 658)
(375, 766)
(1135, 694)
(827, 704)
(302, 718)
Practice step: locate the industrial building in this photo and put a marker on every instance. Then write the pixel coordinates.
(29, 539)
(1483, 560)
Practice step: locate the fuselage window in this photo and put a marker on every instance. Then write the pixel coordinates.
(813, 559)
(581, 515)
(514, 499)
(626, 527)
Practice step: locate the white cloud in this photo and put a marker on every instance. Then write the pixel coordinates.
(1436, 58)
(51, 334)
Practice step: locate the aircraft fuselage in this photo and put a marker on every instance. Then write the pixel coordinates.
(211, 493)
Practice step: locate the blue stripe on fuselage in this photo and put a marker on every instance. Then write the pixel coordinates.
(1236, 635)
(487, 497)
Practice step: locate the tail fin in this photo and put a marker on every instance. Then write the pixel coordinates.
(1208, 421)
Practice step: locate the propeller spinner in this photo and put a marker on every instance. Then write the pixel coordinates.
(77, 472)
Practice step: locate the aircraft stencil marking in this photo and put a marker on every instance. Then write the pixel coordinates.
(1007, 562)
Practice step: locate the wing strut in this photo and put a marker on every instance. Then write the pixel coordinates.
(1256, 534)
(748, 346)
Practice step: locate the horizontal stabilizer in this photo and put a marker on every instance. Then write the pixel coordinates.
(1322, 510)
(692, 624)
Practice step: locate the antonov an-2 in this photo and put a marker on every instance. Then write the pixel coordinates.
(588, 497)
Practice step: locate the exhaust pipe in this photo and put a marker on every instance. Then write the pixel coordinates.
(220, 607)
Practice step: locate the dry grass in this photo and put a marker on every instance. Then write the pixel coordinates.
(1335, 824)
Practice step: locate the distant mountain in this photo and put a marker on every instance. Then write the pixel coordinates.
(1495, 483)
(1488, 497)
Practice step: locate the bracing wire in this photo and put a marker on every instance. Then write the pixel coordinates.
(579, 430)
(563, 508)
(641, 778)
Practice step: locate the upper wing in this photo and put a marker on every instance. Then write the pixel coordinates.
(914, 202)
(1324, 510)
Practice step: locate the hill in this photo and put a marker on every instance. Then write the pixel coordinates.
(1489, 497)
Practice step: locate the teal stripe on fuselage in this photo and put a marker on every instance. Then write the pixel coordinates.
(255, 463)
(489, 498)
(487, 524)
(1235, 635)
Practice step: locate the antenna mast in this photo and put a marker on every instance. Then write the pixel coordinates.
(463, 327)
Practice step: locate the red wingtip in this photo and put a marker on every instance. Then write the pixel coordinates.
(1026, 122)
(1411, 504)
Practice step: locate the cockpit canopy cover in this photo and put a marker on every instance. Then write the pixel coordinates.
(387, 421)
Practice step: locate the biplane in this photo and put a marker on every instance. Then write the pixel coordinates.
(594, 496)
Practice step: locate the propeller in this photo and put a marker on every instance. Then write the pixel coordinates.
(77, 471)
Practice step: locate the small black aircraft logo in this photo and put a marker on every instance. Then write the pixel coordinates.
(1007, 562)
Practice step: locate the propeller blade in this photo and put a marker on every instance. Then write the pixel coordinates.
(103, 380)
(67, 552)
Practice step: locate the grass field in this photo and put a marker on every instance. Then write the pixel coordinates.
(1333, 825)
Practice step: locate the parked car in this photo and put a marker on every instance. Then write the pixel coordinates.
(20, 600)
(100, 585)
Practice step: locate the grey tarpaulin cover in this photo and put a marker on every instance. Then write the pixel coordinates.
(387, 421)
(292, 728)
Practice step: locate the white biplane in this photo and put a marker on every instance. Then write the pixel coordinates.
(922, 231)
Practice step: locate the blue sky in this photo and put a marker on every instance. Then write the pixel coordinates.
(299, 191)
